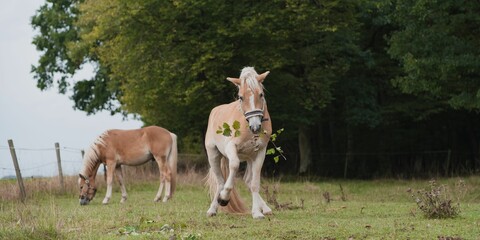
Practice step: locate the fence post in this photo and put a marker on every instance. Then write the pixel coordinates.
(59, 163)
(23, 195)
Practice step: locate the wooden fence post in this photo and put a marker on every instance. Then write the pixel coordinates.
(59, 163)
(23, 195)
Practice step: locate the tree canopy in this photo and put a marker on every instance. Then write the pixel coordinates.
(344, 74)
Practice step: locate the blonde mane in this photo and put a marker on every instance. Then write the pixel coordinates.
(91, 157)
(249, 76)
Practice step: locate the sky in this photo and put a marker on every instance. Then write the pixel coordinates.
(35, 120)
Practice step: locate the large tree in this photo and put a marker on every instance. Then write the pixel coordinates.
(166, 61)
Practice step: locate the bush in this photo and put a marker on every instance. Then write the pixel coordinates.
(435, 203)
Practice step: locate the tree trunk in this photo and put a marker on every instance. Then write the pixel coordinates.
(348, 154)
(305, 148)
(475, 146)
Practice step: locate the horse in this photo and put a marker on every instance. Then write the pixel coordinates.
(250, 110)
(115, 148)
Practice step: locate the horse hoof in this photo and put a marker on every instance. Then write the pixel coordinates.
(258, 216)
(211, 214)
(268, 213)
(222, 202)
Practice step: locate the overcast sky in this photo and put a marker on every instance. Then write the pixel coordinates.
(33, 119)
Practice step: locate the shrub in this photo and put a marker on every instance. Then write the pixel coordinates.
(434, 202)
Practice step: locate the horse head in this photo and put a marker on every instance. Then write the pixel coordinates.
(87, 190)
(251, 97)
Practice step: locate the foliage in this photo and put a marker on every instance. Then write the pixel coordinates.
(163, 60)
(276, 150)
(362, 76)
(55, 21)
(226, 131)
(435, 202)
(439, 51)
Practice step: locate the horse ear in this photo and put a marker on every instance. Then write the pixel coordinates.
(235, 81)
(262, 76)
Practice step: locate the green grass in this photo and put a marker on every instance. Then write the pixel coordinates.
(378, 209)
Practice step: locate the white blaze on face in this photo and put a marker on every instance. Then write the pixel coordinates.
(254, 122)
(252, 102)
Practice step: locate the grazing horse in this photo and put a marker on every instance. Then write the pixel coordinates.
(250, 110)
(129, 147)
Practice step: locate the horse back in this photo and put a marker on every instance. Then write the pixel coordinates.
(138, 144)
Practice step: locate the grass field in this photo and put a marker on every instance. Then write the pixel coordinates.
(377, 209)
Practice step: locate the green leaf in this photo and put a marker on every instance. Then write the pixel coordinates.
(227, 132)
(219, 131)
(280, 131)
(226, 126)
(237, 133)
(273, 137)
(276, 159)
(270, 151)
(236, 125)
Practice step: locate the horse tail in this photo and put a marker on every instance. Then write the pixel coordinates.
(105, 171)
(172, 161)
(236, 203)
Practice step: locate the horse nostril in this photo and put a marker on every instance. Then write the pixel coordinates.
(254, 129)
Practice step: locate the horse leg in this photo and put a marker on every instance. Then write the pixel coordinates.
(214, 158)
(160, 189)
(110, 169)
(165, 178)
(118, 171)
(233, 164)
(259, 207)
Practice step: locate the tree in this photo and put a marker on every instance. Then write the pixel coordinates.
(166, 60)
(55, 22)
(437, 45)
(438, 48)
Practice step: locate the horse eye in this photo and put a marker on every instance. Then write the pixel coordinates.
(240, 97)
(261, 95)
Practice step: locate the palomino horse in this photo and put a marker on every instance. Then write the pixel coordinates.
(250, 110)
(129, 147)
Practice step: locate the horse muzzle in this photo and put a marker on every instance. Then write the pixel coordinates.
(84, 200)
(254, 119)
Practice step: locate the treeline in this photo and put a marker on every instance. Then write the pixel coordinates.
(362, 88)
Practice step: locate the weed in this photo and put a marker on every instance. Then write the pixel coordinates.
(326, 196)
(344, 196)
(434, 202)
(272, 199)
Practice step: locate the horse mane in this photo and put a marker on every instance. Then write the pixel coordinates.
(92, 156)
(249, 76)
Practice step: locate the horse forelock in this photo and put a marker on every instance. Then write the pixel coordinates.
(92, 155)
(249, 76)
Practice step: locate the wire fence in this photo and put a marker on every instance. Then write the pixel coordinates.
(39, 162)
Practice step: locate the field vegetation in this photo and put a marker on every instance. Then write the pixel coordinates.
(303, 209)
